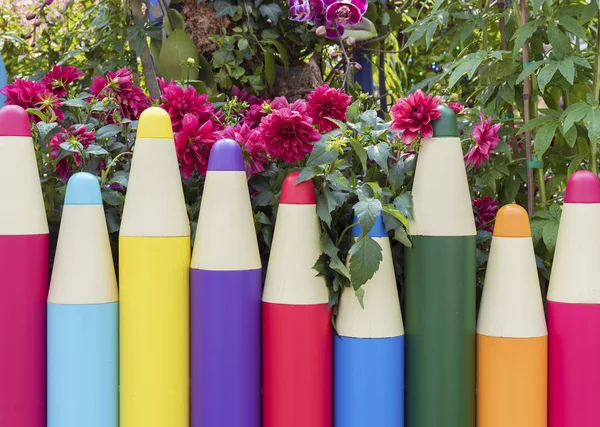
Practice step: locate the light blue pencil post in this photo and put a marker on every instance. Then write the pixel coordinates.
(83, 315)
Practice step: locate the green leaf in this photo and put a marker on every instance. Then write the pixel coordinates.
(567, 69)
(362, 31)
(570, 136)
(121, 178)
(176, 18)
(404, 204)
(401, 235)
(321, 155)
(271, 11)
(559, 41)
(174, 54)
(532, 124)
(467, 67)
(544, 137)
(524, 33)
(380, 154)
(593, 119)
(112, 197)
(269, 67)
(331, 250)
(367, 211)
(223, 7)
(308, 173)
(283, 53)
(549, 234)
(573, 114)
(108, 131)
(360, 152)
(415, 35)
(575, 164)
(326, 203)
(431, 29)
(397, 175)
(391, 210)
(242, 44)
(572, 25)
(96, 150)
(360, 296)
(365, 256)
(47, 131)
(546, 75)
(529, 70)
(76, 102)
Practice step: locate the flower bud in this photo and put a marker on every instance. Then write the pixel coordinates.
(334, 55)
(37, 22)
(30, 16)
(28, 36)
(32, 44)
(190, 62)
(48, 2)
(321, 31)
(454, 97)
(350, 41)
(357, 66)
(437, 86)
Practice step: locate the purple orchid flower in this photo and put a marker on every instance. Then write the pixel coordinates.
(342, 13)
(305, 10)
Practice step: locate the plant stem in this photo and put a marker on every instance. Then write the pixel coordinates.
(526, 115)
(594, 143)
(542, 186)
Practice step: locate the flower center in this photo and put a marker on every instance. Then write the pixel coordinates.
(343, 14)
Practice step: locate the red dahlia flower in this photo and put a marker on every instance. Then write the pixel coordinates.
(414, 114)
(325, 102)
(74, 135)
(255, 113)
(193, 143)
(179, 102)
(456, 107)
(118, 86)
(34, 95)
(288, 135)
(486, 140)
(59, 78)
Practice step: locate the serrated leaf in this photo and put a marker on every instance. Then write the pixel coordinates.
(174, 54)
(47, 131)
(365, 256)
(546, 75)
(544, 137)
(524, 33)
(326, 203)
(112, 197)
(573, 114)
(380, 154)
(321, 155)
(567, 69)
(108, 131)
(329, 248)
(401, 235)
(572, 25)
(549, 235)
(76, 102)
(121, 178)
(308, 173)
(96, 150)
(397, 175)
(391, 210)
(559, 41)
(223, 7)
(404, 204)
(271, 11)
(367, 211)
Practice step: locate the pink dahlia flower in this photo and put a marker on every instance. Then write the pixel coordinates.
(74, 135)
(288, 135)
(485, 210)
(193, 143)
(255, 156)
(325, 102)
(456, 107)
(486, 140)
(281, 102)
(58, 79)
(118, 86)
(413, 115)
(34, 95)
(255, 114)
(179, 102)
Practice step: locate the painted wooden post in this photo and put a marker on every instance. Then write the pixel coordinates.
(226, 286)
(83, 315)
(154, 260)
(512, 339)
(3, 81)
(297, 336)
(23, 276)
(369, 352)
(574, 308)
(440, 286)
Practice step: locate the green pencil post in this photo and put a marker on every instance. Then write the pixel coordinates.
(440, 286)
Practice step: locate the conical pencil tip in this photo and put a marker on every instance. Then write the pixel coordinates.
(83, 189)
(226, 155)
(155, 123)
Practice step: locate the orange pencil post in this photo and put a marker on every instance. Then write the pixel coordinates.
(512, 339)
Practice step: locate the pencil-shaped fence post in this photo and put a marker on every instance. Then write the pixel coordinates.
(440, 286)
(226, 286)
(574, 308)
(83, 315)
(154, 260)
(23, 276)
(297, 336)
(369, 351)
(512, 339)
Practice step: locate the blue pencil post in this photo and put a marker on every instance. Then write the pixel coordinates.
(3, 81)
(83, 323)
(369, 352)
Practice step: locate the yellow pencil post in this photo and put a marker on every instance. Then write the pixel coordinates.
(154, 261)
